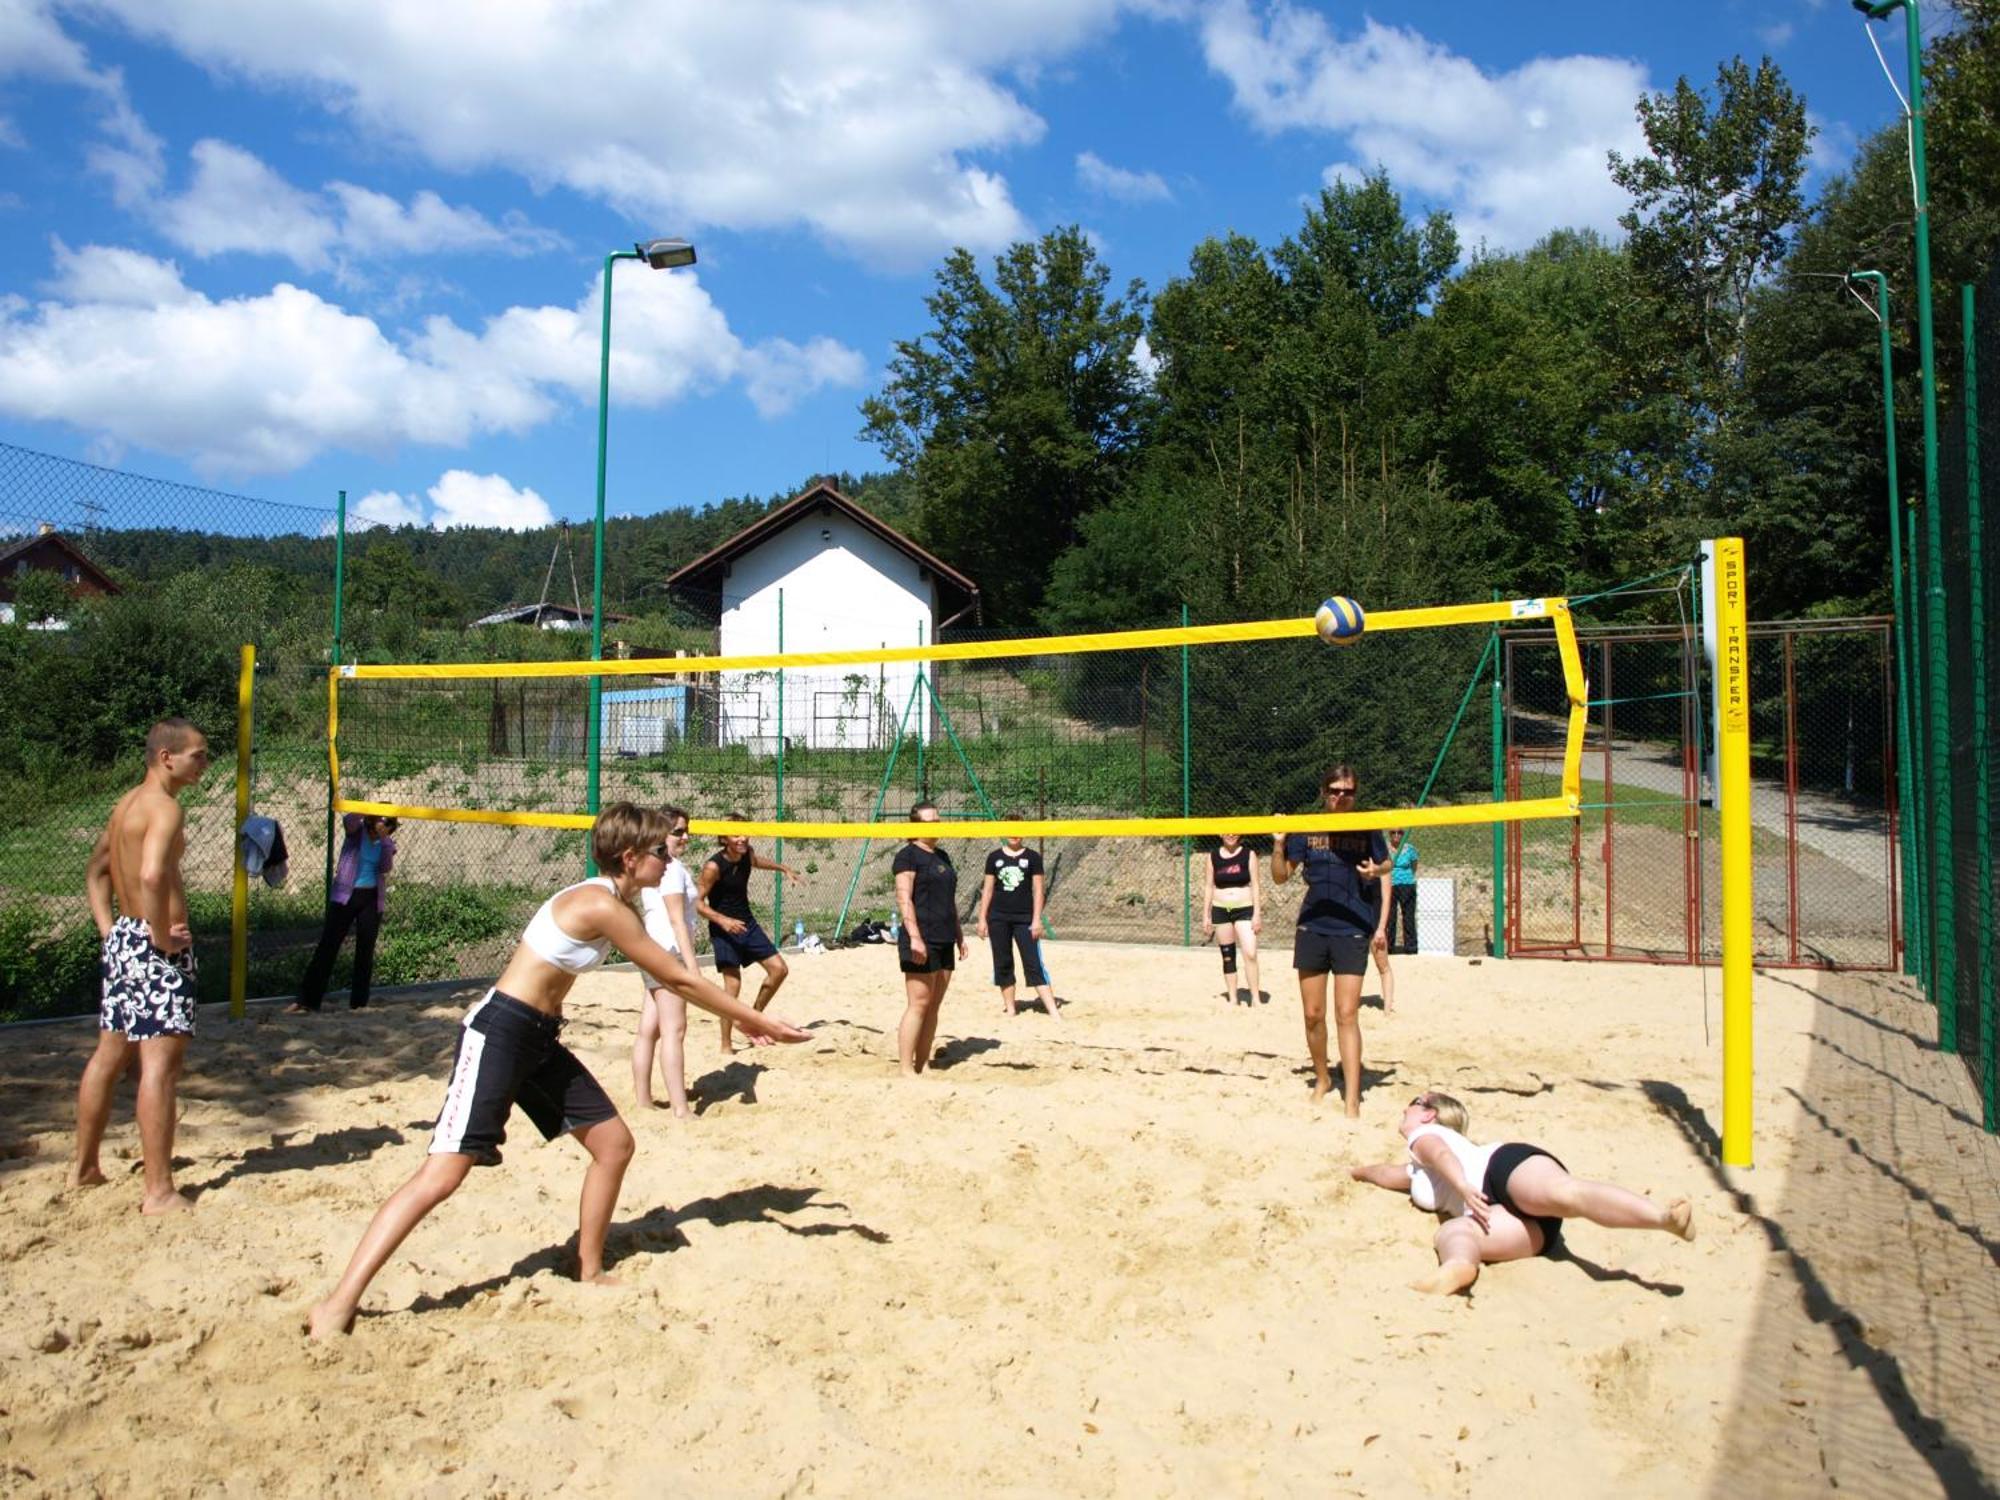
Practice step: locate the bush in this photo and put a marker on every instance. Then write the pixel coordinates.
(45, 969)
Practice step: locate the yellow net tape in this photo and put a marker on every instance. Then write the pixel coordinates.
(1554, 610)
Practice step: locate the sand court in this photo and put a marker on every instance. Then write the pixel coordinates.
(1116, 1256)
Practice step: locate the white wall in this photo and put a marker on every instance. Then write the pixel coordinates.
(845, 590)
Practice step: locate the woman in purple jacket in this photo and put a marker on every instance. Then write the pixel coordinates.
(360, 894)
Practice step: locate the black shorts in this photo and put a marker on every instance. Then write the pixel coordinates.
(1329, 953)
(939, 958)
(508, 1054)
(733, 950)
(1499, 1167)
(1220, 914)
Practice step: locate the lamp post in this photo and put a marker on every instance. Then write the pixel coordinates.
(661, 255)
(1943, 904)
(1909, 768)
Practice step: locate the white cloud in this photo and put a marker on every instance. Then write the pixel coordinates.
(125, 350)
(1512, 154)
(1099, 176)
(462, 498)
(237, 203)
(1776, 34)
(32, 45)
(10, 135)
(384, 508)
(113, 276)
(1145, 361)
(865, 121)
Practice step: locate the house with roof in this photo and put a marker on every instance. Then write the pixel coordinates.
(821, 574)
(49, 551)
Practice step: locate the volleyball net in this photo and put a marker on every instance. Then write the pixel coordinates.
(1111, 752)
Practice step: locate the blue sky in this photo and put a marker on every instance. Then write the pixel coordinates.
(290, 249)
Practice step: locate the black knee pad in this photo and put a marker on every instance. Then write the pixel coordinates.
(1229, 958)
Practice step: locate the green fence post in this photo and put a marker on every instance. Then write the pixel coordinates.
(778, 900)
(1920, 770)
(923, 724)
(1981, 745)
(1187, 796)
(339, 591)
(1499, 791)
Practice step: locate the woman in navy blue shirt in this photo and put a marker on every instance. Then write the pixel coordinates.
(1340, 919)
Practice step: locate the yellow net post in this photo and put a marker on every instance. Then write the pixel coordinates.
(1733, 755)
(239, 890)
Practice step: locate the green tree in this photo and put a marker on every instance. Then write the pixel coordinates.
(1715, 200)
(1357, 237)
(39, 595)
(1019, 413)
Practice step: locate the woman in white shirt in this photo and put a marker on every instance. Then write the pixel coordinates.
(1502, 1202)
(662, 1003)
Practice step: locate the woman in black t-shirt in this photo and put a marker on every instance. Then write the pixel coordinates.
(927, 899)
(1010, 917)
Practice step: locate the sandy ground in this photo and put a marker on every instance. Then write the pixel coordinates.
(1119, 1256)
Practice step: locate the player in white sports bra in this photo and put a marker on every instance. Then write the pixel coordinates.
(509, 1054)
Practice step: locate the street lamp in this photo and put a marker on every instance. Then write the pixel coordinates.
(661, 255)
(1943, 904)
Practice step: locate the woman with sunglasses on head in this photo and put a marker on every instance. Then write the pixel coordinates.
(509, 1053)
(1504, 1202)
(1340, 921)
(663, 997)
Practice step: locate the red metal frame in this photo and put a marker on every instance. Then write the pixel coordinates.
(1693, 949)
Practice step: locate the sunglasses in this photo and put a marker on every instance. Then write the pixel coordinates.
(658, 851)
(1340, 791)
(1422, 1101)
(677, 833)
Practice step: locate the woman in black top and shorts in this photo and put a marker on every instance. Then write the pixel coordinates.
(1340, 919)
(927, 899)
(1235, 913)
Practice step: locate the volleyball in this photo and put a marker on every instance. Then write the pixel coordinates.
(1340, 621)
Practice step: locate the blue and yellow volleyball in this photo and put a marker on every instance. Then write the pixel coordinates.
(1340, 621)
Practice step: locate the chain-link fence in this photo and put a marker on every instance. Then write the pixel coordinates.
(125, 600)
(1957, 671)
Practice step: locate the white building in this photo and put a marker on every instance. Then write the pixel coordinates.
(838, 580)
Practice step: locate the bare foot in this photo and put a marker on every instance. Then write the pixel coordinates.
(296, 1009)
(1321, 1088)
(165, 1203)
(1680, 1219)
(602, 1278)
(1448, 1279)
(324, 1323)
(87, 1177)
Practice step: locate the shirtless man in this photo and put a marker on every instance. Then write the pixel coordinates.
(148, 1005)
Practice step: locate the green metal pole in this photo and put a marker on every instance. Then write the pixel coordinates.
(1187, 796)
(778, 900)
(339, 593)
(1975, 546)
(594, 729)
(1920, 773)
(1900, 628)
(1499, 792)
(923, 724)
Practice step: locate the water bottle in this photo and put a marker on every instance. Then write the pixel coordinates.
(896, 927)
(799, 934)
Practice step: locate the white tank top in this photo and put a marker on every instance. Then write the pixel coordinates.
(550, 943)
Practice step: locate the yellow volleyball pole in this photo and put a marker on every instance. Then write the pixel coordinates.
(1733, 755)
(239, 894)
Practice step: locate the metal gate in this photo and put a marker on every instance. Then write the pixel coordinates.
(1637, 876)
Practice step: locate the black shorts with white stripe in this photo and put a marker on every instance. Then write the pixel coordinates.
(508, 1054)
